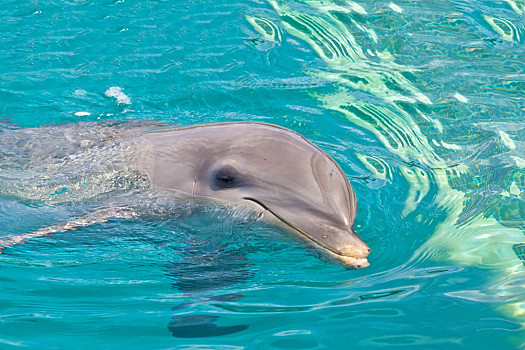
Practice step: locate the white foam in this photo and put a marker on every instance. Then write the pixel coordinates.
(80, 93)
(116, 92)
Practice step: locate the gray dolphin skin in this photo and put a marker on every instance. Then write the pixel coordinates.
(267, 167)
(263, 167)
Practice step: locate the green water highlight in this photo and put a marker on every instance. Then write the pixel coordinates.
(485, 238)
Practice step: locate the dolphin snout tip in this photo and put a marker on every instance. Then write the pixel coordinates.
(358, 250)
(348, 261)
(346, 248)
(352, 263)
(354, 254)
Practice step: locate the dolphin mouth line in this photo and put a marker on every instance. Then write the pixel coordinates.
(348, 261)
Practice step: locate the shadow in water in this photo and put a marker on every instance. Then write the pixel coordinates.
(202, 272)
(198, 326)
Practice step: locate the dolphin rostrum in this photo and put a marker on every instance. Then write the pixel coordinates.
(265, 167)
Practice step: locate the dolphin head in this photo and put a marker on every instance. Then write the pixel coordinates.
(269, 167)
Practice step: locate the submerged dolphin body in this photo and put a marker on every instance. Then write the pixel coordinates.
(264, 167)
(267, 167)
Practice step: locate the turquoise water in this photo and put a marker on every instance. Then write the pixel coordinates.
(421, 103)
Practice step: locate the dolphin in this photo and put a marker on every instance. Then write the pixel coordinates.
(264, 167)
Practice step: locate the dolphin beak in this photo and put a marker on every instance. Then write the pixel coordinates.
(337, 243)
(347, 248)
(340, 245)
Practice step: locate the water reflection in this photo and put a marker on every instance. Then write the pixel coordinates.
(472, 178)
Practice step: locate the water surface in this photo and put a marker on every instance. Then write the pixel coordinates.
(420, 102)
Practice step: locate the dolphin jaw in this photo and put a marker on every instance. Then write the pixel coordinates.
(345, 256)
(348, 255)
(348, 261)
(355, 263)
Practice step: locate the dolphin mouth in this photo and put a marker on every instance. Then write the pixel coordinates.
(345, 260)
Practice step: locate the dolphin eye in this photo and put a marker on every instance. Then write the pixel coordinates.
(226, 178)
